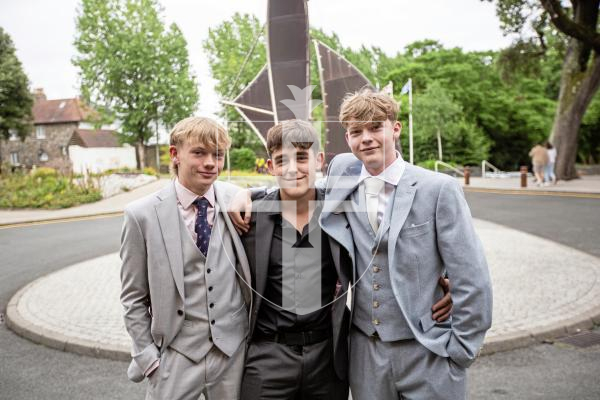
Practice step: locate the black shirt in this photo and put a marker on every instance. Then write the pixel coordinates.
(299, 290)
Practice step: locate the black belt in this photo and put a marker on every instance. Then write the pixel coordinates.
(293, 338)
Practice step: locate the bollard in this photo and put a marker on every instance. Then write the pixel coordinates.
(467, 176)
(524, 176)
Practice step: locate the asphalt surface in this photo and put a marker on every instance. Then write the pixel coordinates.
(572, 221)
(30, 371)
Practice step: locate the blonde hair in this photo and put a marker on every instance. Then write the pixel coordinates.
(367, 106)
(201, 131)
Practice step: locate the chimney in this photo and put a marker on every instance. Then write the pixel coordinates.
(38, 94)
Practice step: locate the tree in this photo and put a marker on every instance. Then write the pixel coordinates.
(132, 68)
(15, 99)
(436, 113)
(580, 73)
(513, 115)
(236, 52)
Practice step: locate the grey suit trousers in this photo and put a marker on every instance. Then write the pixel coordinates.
(285, 372)
(403, 369)
(216, 376)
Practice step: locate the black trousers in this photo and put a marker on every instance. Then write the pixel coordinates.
(286, 372)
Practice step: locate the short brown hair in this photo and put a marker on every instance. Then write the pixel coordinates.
(366, 106)
(301, 134)
(199, 130)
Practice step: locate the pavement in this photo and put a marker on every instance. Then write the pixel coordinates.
(542, 289)
(110, 206)
(586, 186)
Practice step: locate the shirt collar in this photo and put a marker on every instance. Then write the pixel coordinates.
(319, 197)
(186, 197)
(391, 174)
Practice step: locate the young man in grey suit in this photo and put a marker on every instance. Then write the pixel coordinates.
(407, 226)
(298, 345)
(185, 277)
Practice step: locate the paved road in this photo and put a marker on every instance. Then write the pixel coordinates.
(574, 222)
(30, 371)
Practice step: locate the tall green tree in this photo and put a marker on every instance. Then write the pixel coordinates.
(580, 73)
(15, 99)
(132, 68)
(512, 116)
(236, 53)
(437, 114)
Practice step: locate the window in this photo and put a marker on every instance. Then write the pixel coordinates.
(39, 132)
(14, 158)
(63, 150)
(43, 156)
(13, 135)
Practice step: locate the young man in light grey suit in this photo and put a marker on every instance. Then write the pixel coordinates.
(404, 227)
(185, 277)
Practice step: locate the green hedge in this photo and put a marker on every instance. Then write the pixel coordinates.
(243, 159)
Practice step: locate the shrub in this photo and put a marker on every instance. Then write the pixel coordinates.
(45, 191)
(150, 171)
(44, 172)
(430, 164)
(243, 159)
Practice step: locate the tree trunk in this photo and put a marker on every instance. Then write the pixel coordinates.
(576, 92)
(580, 79)
(141, 154)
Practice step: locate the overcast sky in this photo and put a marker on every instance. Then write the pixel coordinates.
(43, 31)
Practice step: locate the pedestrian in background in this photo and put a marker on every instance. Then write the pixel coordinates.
(549, 175)
(539, 159)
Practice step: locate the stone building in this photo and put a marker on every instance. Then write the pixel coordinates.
(54, 122)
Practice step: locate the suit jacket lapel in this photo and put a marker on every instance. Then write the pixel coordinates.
(403, 199)
(168, 219)
(333, 221)
(222, 200)
(264, 237)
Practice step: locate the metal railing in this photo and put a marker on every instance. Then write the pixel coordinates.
(450, 167)
(486, 163)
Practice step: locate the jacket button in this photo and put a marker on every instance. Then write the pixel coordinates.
(212, 305)
(376, 321)
(179, 312)
(212, 322)
(208, 271)
(210, 288)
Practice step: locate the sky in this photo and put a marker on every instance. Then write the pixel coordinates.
(43, 31)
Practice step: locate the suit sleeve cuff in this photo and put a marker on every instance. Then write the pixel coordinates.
(152, 368)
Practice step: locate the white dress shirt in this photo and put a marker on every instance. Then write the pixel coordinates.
(391, 176)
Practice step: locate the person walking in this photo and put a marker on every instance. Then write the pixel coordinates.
(539, 159)
(549, 175)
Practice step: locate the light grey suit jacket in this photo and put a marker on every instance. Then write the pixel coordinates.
(431, 232)
(152, 272)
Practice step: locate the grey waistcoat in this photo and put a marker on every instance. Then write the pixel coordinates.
(375, 307)
(215, 312)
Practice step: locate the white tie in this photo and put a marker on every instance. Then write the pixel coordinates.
(373, 187)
